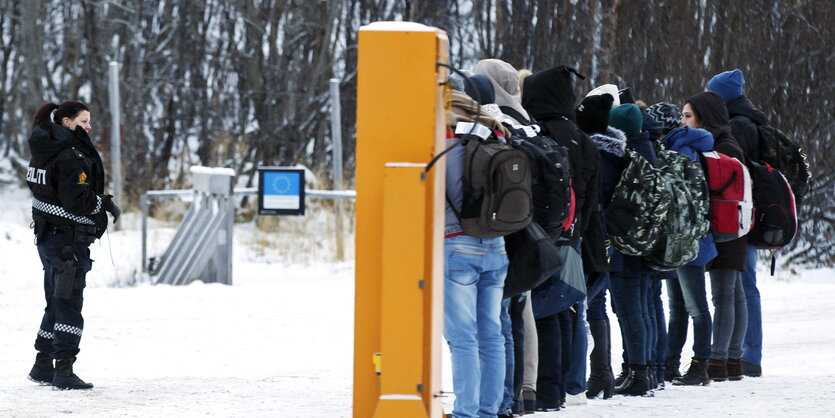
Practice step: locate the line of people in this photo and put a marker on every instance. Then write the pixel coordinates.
(517, 355)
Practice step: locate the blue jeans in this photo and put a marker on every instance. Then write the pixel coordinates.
(660, 349)
(474, 273)
(688, 299)
(575, 374)
(752, 349)
(597, 299)
(629, 296)
(730, 314)
(510, 357)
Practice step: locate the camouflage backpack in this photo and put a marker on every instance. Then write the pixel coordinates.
(638, 208)
(687, 218)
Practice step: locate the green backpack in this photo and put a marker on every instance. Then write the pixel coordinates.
(687, 219)
(638, 208)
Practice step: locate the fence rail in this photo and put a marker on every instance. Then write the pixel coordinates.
(251, 191)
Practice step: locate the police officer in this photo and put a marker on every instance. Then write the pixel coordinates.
(66, 177)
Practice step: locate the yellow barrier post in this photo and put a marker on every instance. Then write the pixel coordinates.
(400, 118)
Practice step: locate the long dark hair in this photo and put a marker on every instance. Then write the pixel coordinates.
(68, 109)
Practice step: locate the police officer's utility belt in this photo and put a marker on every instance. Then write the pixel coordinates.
(71, 234)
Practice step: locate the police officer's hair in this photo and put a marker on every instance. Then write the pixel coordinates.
(68, 109)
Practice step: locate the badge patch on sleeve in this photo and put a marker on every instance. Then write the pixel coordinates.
(82, 178)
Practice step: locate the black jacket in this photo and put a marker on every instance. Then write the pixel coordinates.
(714, 117)
(66, 177)
(744, 120)
(549, 98)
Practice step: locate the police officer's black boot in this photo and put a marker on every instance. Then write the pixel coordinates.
(65, 379)
(43, 370)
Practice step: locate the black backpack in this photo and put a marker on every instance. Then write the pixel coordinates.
(550, 179)
(785, 155)
(533, 259)
(496, 187)
(775, 216)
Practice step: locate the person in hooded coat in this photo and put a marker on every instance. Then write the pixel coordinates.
(730, 318)
(548, 98)
(593, 119)
(631, 279)
(687, 297)
(522, 382)
(66, 177)
(744, 121)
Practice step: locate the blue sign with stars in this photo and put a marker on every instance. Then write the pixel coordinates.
(280, 191)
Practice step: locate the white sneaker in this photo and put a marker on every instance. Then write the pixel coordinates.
(578, 399)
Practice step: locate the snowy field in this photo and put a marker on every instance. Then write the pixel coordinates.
(278, 343)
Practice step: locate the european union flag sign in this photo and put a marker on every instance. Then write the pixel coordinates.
(280, 191)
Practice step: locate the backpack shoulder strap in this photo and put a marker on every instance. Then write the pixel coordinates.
(515, 114)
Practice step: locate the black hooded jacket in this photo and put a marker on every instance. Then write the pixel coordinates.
(548, 98)
(66, 177)
(713, 114)
(744, 120)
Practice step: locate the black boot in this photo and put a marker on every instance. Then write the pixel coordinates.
(653, 379)
(65, 379)
(696, 375)
(751, 369)
(601, 377)
(622, 377)
(637, 383)
(734, 369)
(671, 369)
(43, 370)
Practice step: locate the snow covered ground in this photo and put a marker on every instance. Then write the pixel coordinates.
(278, 343)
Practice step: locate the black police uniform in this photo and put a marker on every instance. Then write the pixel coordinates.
(66, 177)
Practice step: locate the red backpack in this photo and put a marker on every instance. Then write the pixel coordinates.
(731, 196)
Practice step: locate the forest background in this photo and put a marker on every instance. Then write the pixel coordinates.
(244, 83)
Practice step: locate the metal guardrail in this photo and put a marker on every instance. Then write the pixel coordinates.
(181, 193)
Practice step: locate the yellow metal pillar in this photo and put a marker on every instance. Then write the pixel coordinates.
(399, 270)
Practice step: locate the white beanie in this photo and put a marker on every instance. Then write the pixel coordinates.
(610, 89)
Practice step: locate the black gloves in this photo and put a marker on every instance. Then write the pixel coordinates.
(108, 205)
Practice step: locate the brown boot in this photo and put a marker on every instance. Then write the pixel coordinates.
(734, 369)
(717, 370)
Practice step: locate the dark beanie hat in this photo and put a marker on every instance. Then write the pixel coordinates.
(480, 89)
(628, 118)
(666, 114)
(728, 85)
(625, 95)
(593, 113)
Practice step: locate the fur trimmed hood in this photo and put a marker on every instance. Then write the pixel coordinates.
(613, 141)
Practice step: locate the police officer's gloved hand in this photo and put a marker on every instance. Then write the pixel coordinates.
(109, 205)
